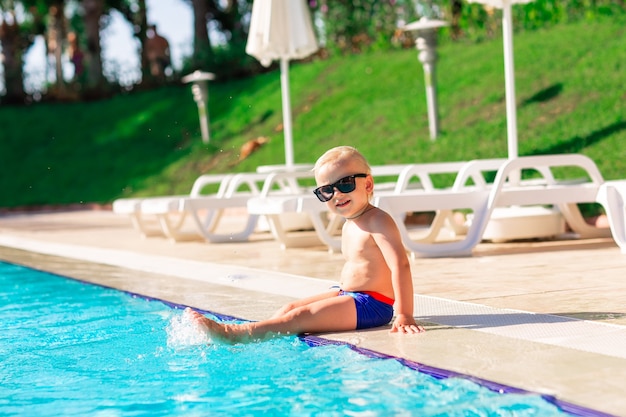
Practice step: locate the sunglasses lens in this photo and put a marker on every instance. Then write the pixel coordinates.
(346, 185)
(324, 193)
(327, 192)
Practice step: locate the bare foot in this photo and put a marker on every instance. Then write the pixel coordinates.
(213, 328)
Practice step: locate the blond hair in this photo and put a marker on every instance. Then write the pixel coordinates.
(342, 153)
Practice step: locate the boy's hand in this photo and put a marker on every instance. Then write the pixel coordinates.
(406, 324)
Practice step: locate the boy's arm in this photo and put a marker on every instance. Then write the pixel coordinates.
(390, 244)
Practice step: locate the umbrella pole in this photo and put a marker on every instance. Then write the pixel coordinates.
(284, 86)
(509, 76)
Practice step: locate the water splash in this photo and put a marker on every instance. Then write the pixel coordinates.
(183, 332)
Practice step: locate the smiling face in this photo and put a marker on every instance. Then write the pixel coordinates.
(347, 204)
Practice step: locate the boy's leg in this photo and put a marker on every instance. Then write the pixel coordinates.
(304, 301)
(326, 315)
(337, 313)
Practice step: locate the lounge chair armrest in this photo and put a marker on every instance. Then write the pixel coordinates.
(473, 170)
(249, 180)
(544, 164)
(286, 182)
(210, 179)
(424, 173)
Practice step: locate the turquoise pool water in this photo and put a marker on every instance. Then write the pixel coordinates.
(75, 349)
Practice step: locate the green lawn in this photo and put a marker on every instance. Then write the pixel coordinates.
(571, 95)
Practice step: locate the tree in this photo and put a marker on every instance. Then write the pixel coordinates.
(227, 18)
(55, 41)
(15, 39)
(94, 10)
(202, 49)
(136, 14)
(13, 70)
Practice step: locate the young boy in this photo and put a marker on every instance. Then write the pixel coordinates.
(376, 274)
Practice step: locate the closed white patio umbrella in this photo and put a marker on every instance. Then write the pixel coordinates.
(281, 30)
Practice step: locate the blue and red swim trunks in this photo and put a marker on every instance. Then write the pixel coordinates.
(372, 309)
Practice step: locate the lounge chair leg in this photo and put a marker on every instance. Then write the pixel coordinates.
(612, 196)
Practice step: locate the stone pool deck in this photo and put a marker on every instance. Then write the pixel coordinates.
(549, 317)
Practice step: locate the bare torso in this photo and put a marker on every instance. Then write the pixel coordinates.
(365, 268)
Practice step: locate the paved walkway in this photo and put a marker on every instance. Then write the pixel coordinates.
(548, 317)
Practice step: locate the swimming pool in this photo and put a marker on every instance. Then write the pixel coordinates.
(70, 348)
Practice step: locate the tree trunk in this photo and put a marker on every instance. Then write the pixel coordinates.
(93, 13)
(13, 66)
(202, 51)
(141, 20)
(56, 41)
(456, 10)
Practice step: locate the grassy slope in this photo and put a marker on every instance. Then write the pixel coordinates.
(570, 93)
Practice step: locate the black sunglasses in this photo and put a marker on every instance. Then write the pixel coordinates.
(345, 185)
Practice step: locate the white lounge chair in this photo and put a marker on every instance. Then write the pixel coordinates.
(276, 203)
(483, 199)
(327, 226)
(467, 174)
(149, 225)
(207, 213)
